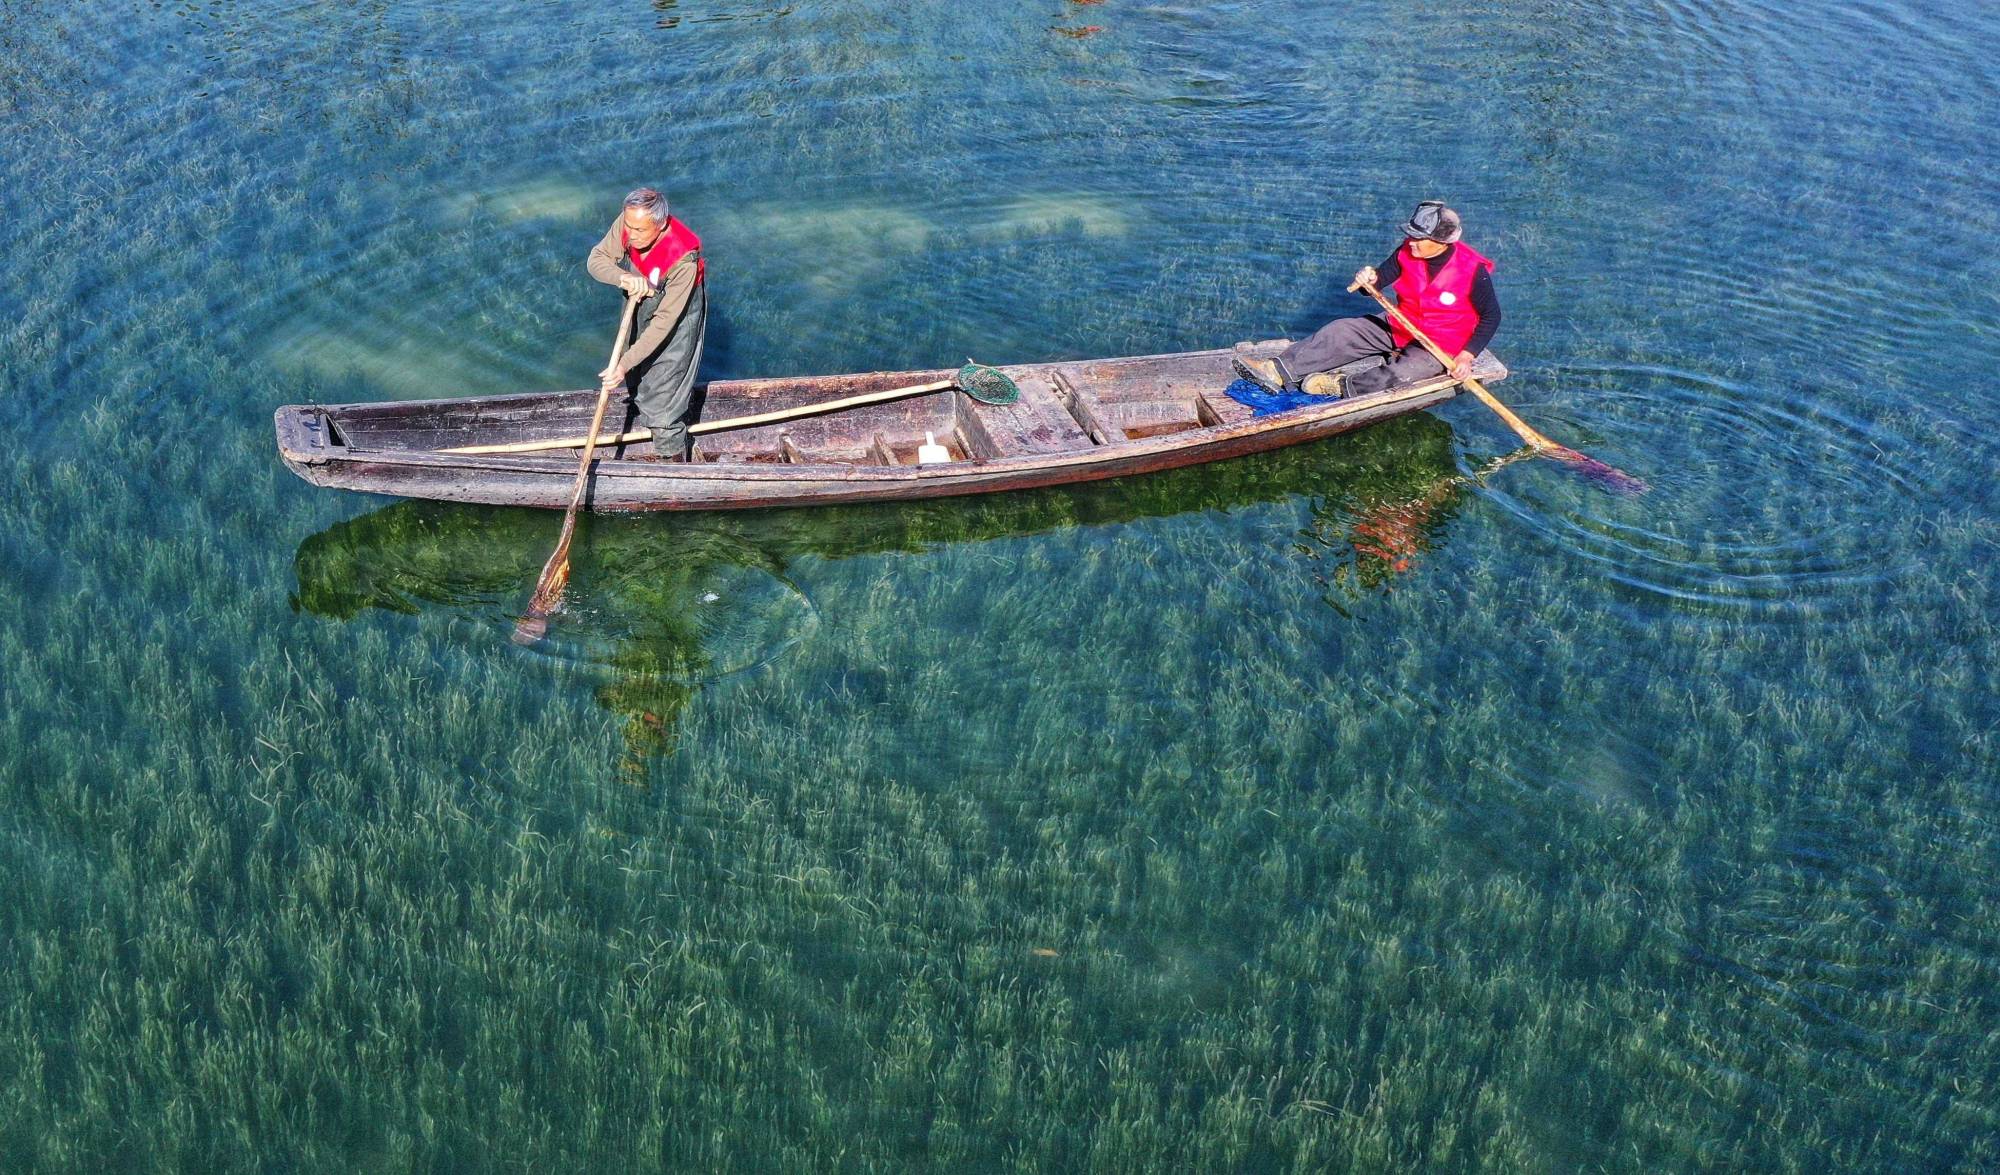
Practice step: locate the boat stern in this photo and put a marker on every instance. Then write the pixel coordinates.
(305, 440)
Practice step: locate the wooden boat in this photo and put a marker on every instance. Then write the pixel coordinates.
(1075, 421)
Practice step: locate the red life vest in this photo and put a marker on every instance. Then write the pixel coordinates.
(1441, 306)
(673, 244)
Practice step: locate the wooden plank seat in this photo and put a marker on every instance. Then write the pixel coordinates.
(1034, 424)
(1216, 407)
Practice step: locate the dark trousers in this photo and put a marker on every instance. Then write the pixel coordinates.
(1362, 347)
(666, 381)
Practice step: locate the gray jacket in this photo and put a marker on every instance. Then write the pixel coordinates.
(607, 263)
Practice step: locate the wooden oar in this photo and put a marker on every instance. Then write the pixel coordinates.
(707, 426)
(555, 573)
(1614, 479)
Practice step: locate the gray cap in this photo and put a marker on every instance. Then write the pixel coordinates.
(1432, 221)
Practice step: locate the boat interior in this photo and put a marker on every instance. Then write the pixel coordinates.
(1063, 408)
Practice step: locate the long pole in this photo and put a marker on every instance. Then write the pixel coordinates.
(708, 426)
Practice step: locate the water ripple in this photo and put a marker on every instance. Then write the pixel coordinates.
(1743, 484)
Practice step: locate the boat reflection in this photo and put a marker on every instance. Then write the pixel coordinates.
(663, 603)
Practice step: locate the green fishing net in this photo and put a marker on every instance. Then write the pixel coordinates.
(988, 385)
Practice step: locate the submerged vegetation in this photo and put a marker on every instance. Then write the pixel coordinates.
(1325, 810)
(362, 900)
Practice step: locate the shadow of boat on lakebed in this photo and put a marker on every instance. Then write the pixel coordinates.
(662, 603)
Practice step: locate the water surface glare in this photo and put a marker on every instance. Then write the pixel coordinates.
(1378, 805)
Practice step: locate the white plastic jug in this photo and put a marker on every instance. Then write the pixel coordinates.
(930, 452)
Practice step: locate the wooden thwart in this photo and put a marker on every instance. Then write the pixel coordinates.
(1036, 423)
(1088, 412)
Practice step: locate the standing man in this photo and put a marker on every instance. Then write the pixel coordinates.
(667, 268)
(1442, 284)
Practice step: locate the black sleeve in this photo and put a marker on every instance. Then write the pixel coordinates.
(1387, 272)
(1486, 301)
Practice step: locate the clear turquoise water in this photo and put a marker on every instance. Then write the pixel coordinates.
(1312, 811)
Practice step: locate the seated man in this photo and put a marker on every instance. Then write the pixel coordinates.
(666, 266)
(1444, 286)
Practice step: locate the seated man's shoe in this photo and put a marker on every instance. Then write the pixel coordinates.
(1325, 383)
(1265, 373)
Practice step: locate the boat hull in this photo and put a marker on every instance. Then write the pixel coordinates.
(1077, 422)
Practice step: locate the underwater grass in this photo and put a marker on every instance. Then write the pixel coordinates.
(1156, 826)
(368, 902)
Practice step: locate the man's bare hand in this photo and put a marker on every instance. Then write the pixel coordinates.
(610, 380)
(1365, 276)
(633, 284)
(1461, 367)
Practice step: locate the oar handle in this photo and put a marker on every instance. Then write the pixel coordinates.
(1521, 427)
(604, 391)
(624, 338)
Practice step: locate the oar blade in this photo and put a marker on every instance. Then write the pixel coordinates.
(529, 630)
(1606, 477)
(534, 623)
(548, 595)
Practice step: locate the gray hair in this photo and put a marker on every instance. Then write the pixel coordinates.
(648, 201)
